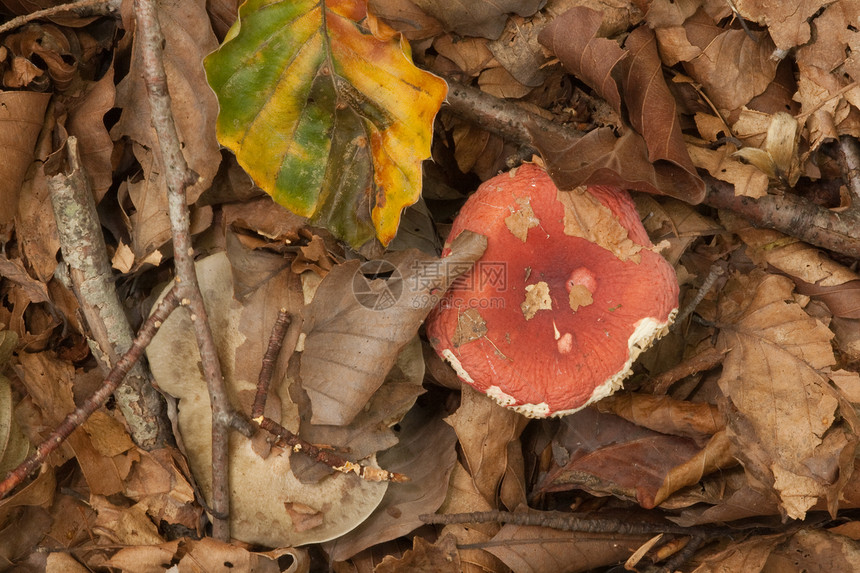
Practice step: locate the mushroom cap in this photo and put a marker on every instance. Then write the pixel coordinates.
(567, 294)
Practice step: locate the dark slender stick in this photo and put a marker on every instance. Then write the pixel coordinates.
(98, 398)
(329, 458)
(276, 341)
(562, 522)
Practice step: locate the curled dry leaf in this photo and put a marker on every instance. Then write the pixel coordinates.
(481, 18)
(791, 428)
(604, 454)
(813, 272)
(360, 318)
(650, 156)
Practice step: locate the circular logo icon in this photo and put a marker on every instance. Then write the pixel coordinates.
(377, 285)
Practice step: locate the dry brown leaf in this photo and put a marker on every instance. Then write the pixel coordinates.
(21, 118)
(424, 557)
(718, 454)
(788, 424)
(787, 23)
(477, 18)
(498, 82)
(357, 324)
(674, 222)
(426, 453)
(574, 38)
(405, 17)
(463, 497)
(370, 430)
(652, 158)
(666, 415)
(604, 454)
(813, 272)
(733, 67)
(86, 122)
(484, 431)
(531, 549)
(519, 52)
(188, 37)
(749, 555)
(746, 179)
(835, 41)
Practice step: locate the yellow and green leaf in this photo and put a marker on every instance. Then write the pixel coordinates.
(330, 120)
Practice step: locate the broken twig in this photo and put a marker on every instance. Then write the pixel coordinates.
(98, 398)
(83, 247)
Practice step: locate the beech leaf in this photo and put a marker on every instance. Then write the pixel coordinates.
(791, 428)
(330, 120)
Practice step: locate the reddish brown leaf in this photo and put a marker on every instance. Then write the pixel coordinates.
(574, 38)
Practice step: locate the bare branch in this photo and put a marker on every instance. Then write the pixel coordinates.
(329, 458)
(81, 8)
(178, 177)
(84, 250)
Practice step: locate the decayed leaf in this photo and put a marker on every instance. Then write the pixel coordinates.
(328, 119)
(21, 115)
(361, 317)
(480, 18)
(258, 510)
(789, 426)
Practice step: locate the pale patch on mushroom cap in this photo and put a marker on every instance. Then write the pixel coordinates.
(549, 358)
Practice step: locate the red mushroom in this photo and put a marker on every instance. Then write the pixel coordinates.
(568, 293)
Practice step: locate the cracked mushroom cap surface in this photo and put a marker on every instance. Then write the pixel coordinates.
(568, 293)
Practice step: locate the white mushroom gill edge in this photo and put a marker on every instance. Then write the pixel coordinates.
(646, 332)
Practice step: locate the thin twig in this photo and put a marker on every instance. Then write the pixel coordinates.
(789, 214)
(81, 8)
(329, 458)
(98, 398)
(718, 269)
(276, 341)
(178, 177)
(83, 247)
(563, 522)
